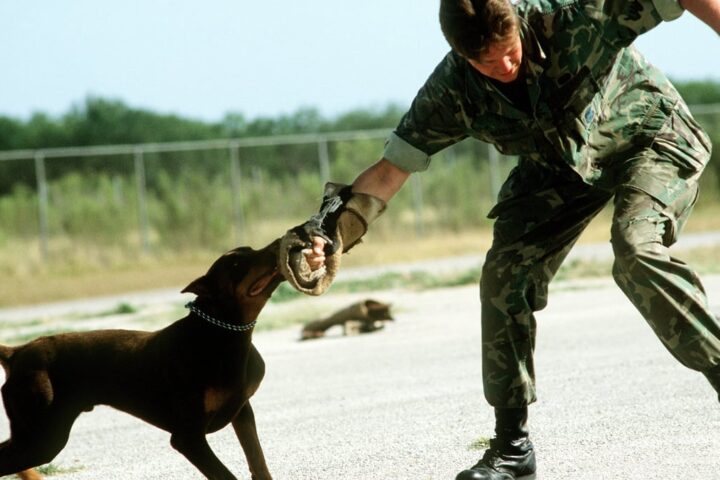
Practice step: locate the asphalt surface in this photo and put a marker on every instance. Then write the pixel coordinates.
(407, 402)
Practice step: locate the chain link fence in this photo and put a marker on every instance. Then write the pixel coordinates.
(153, 199)
(131, 201)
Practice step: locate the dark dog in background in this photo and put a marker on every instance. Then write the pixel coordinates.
(191, 378)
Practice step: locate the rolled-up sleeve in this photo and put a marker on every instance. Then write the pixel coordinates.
(668, 9)
(403, 155)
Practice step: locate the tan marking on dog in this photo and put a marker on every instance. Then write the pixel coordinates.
(29, 475)
(215, 399)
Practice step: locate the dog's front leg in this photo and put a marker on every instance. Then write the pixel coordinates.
(244, 425)
(196, 449)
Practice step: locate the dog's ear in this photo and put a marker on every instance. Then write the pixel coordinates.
(199, 287)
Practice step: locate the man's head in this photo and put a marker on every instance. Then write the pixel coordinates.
(486, 33)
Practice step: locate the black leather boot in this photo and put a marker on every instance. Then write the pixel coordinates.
(511, 455)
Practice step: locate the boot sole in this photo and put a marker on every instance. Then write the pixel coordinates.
(532, 476)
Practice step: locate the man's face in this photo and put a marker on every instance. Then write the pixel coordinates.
(501, 61)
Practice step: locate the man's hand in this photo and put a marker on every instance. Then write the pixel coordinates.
(382, 180)
(345, 214)
(316, 255)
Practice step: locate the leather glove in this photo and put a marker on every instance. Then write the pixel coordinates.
(342, 221)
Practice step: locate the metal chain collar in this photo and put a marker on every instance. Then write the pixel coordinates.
(228, 326)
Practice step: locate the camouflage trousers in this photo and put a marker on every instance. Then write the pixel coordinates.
(539, 216)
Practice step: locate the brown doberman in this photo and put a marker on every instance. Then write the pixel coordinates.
(191, 378)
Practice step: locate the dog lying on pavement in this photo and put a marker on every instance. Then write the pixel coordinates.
(191, 378)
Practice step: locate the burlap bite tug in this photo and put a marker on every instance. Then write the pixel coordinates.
(342, 221)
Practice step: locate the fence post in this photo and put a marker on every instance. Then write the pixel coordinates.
(495, 177)
(324, 158)
(142, 200)
(236, 186)
(42, 189)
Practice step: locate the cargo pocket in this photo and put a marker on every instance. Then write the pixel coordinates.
(678, 213)
(682, 141)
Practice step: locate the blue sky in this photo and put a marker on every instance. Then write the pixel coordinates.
(259, 58)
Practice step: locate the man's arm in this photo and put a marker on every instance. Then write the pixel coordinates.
(382, 180)
(706, 10)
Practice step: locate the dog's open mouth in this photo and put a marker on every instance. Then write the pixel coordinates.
(268, 280)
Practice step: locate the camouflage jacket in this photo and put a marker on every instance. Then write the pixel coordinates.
(592, 95)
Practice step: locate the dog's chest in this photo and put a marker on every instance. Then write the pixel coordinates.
(228, 395)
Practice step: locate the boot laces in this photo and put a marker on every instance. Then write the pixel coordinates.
(492, 454)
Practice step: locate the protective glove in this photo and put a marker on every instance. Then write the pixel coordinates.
(343, 219)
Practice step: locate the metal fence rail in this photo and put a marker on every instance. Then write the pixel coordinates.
(138, 152)
(197, 145)
(233, 147)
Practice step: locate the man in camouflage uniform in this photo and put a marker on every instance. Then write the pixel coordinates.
(558, 83)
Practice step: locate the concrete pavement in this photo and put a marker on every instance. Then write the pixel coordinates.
(406, 402)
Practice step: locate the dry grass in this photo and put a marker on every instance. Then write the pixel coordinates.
(30, 282)
(49, 285)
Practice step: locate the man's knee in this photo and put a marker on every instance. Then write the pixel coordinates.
(638, 232)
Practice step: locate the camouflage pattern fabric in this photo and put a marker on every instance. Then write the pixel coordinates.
(602, 122)
(592, 95)
(539, 216)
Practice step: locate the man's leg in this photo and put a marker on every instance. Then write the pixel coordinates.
(533, 234)
(538, 219)
(666, 291)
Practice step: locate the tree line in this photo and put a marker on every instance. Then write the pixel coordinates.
(93, 203)
(103, 121)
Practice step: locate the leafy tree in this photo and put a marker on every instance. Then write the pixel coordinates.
(102, 121)
(11, 134)
(699, 92)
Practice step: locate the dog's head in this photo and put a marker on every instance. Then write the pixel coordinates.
(240, 281)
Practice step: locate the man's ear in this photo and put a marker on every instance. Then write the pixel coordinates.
(199, 287)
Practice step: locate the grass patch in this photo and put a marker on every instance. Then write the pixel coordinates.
(47, 285)
(388, 281)
(51, 469)
(576, 269)
(481, 443)
(121, 309)
(296, 316)
(29, 323)
(706, 259)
